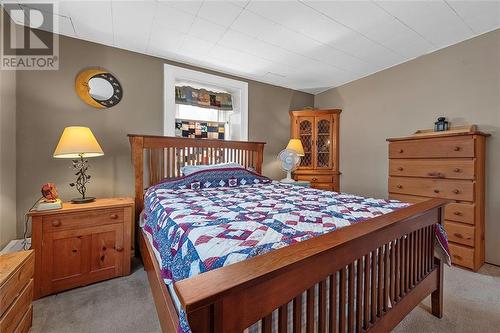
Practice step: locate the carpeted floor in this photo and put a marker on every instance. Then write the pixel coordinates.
(472, 304)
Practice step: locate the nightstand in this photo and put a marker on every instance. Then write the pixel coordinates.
(301, 183)
(80, 244)
(16, 290)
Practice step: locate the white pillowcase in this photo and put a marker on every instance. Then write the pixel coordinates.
(189, 169)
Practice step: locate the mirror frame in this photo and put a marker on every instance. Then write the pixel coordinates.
(83, 90)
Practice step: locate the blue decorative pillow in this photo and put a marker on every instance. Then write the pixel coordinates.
(222, 177)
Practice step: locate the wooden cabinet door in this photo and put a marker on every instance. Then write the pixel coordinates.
(77, 257)
(65, 260)
(323, 126)
(305, 132)
(106, 253)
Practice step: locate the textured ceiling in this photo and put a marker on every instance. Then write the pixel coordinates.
(305, 45)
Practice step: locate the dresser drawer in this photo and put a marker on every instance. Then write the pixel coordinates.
(461, 212)
(432, 168)
(59, 222)
(437, 188)
(462, 255)
(460, 233)
(14, 315)
(15, 284)
(407, 198)
(432, 148)
(26, 322)
(315, 178)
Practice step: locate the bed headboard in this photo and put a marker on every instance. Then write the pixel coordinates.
(157, 158)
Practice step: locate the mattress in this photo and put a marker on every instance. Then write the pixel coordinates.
(257, 326)
(214, 218)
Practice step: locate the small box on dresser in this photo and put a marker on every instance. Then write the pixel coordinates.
(81, 244)
(16, 291)
(449, 166)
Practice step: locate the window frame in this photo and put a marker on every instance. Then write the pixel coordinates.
(175, 74)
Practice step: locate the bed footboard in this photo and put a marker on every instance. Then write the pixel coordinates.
(368, 276)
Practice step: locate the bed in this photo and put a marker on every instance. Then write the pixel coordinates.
(363, 277)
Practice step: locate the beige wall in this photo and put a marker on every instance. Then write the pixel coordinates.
(461, 82)
(7, 155)
(46, 103)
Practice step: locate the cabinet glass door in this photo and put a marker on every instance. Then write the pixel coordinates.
(323, 142)
(305, 134)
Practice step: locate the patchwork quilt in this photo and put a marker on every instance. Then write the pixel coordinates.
(214, 218)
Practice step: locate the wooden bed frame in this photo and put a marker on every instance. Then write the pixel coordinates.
(380, 270)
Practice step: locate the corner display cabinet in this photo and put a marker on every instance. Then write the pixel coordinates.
(319, 132)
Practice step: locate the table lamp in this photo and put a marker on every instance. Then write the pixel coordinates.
(78, 143)
(296, 144)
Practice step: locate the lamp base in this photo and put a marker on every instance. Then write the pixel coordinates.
(82, 200)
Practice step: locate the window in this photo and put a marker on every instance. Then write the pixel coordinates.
(185, 117)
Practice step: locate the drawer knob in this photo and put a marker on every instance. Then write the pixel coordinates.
(457, 213)
(456, 234)
(401, 151)
(314, 179)
(119, 249)
(456, 191)
(436, 191)
(400, 169)
(56, 223)
(113, 216)
(399, 186)
(457, 170)
(457, 148)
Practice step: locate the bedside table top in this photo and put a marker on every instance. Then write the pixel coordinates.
(10, 262)
(68, 207)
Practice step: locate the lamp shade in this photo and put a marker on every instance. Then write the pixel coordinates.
(77, 142)
(296, 144)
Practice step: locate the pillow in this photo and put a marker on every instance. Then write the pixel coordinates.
(189, 169)
(211, 178)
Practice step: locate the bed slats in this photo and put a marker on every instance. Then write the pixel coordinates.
(354, 298)
(165, 156)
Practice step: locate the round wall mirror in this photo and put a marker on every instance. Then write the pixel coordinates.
(98, 88)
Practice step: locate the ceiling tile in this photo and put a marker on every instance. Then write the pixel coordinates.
(170, 18)
(190, 6)
(291, 40)
(239, 3)
(342, 60)
(252, 24)
(481, 16)
(399, 38)
(94, 23)
(196, 46)
(165, 41)
(206, 30)
(434, 20)
(132, 34)
(221, 12)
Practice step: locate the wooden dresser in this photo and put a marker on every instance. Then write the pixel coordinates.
(449, 166)
(318, 131)
(81, 244)
(16, 291)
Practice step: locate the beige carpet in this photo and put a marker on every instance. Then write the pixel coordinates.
(472, 304)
